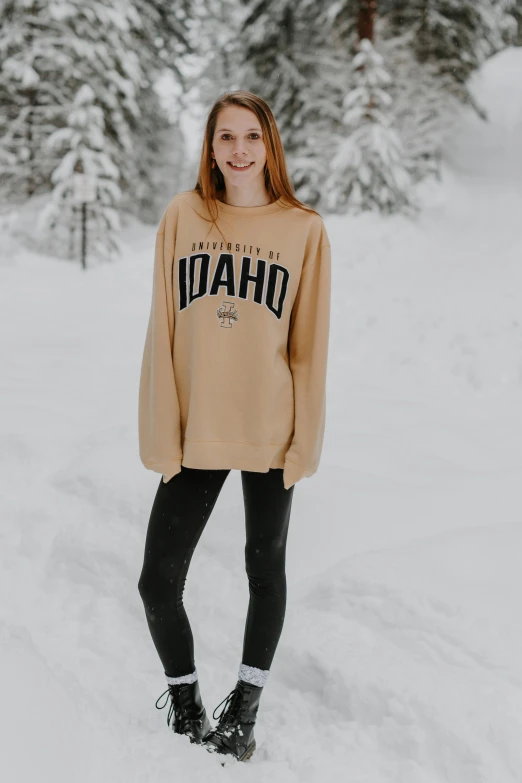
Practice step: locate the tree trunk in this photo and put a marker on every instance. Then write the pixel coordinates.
(366, 19)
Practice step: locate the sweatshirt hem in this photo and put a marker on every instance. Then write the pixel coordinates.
(287, 459)
(233, 455)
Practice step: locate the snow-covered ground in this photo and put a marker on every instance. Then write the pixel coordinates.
(401, 655)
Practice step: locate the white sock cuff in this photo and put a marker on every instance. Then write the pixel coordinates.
(184, 679)
(253, 675)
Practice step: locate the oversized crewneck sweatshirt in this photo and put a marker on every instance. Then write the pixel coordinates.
(234, 365)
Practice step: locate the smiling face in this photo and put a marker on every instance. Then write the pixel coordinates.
(238, 139)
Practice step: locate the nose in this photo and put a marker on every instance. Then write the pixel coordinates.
(238, 147)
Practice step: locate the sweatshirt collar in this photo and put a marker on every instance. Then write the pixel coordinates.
(266, 209)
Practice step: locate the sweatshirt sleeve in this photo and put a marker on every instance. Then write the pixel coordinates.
(159, 415)
(308, 355)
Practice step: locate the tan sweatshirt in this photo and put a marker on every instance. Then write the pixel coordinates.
(234, 364)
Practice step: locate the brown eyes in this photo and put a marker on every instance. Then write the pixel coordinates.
(250, 134)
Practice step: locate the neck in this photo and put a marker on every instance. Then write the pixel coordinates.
(237, 198)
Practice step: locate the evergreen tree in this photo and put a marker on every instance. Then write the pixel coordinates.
(47, 51)
(158, 152)
(83, 147)
(456, 36)
(216, 68)
(424, 109)
(31, 95)
(213, 69)
(517, 13)
(291, 59)
(165, 33)
(367, 170)
(166, 41)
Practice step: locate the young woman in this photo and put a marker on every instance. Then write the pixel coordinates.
(233, 378)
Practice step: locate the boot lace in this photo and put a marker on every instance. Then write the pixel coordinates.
(175, 706)
(228, 714)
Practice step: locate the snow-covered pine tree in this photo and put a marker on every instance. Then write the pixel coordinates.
(47, 51)
(367, 171)
(330, 37)
(83, 147)
(456, 36)
(517, 13)
(213, 67)
(32, 94)
(167, 43)
(290, 60)
(158, 151)
(424, 109)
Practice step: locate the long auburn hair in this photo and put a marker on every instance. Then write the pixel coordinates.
(211, 183)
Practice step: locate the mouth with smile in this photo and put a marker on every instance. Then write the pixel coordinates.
(240, 166)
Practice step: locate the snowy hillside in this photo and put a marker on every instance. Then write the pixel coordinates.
(401, 656)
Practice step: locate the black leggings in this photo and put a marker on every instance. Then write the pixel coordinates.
(180, 511)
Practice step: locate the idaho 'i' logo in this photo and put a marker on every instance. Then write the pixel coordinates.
(227, 316)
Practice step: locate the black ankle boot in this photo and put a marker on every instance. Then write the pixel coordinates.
(234, 733)
(190, 717)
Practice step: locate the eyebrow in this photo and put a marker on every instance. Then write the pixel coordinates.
(228, 129)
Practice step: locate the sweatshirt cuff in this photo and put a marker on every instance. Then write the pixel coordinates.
(171, 471)
(292, 473)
